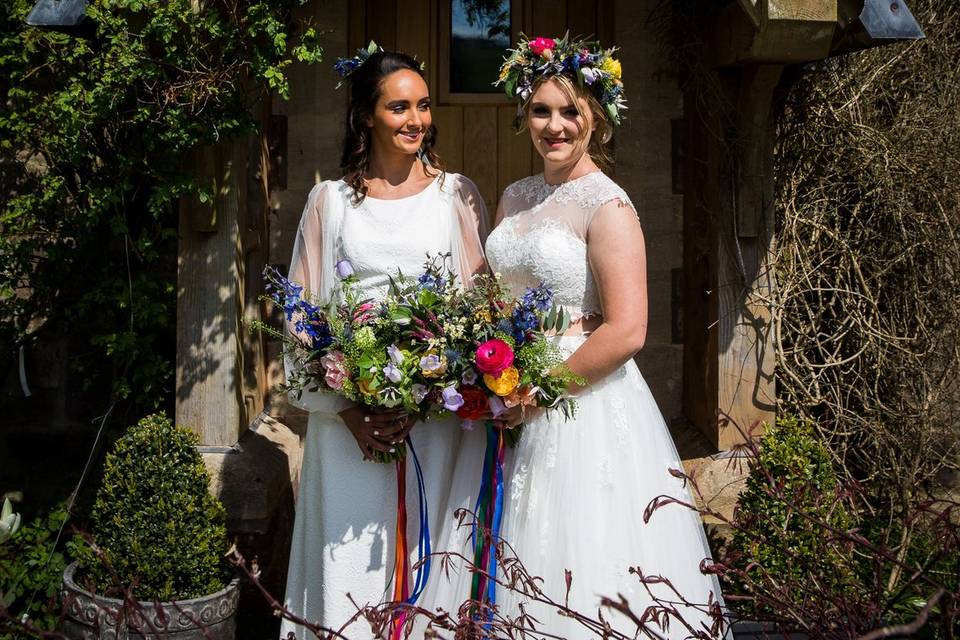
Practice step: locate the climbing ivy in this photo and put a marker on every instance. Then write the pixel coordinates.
(93, 135)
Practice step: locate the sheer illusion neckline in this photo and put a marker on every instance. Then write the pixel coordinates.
(543, 179)
(429, 186)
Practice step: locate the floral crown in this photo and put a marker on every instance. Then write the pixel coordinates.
(584, 61)
(347, 66)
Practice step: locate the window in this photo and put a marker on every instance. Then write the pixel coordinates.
(479, 34)
(474, 36)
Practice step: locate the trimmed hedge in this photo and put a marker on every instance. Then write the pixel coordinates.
(154, 519)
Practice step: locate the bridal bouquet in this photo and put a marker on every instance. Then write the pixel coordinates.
(512, 359)
(379, 354)
(431, 347)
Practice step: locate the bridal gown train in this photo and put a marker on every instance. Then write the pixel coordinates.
(576, 489)
(343, 544)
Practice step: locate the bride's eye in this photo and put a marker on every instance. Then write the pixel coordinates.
(540, 111)
(571, 112)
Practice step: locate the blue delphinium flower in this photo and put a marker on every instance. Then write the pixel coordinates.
(539, 298)
(524, 321)
(432, 282)
(283, 292)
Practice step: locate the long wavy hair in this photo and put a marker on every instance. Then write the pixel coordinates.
(365, 85)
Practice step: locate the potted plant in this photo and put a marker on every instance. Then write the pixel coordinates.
(153, 564)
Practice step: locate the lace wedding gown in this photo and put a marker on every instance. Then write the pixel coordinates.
(577, 489)
(343, 537)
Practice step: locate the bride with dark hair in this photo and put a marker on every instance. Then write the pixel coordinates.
(393, 206)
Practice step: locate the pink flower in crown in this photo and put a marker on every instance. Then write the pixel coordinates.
(336, 366)
(493, 357)
(541, 44)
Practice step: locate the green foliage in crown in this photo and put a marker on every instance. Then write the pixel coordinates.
(582, 60)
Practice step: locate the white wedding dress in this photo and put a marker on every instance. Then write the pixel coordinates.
(343, 537)
(576, 490)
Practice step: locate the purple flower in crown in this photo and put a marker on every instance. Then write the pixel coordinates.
(452, 400)
(346, 66)
(469, 376)
(590, 75)
(344, 269)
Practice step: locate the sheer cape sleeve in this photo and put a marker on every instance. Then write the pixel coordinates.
(313, 265)
(470, 230)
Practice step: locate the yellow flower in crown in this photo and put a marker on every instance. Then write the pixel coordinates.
(504, 72)
(505, 383)
(612, 67)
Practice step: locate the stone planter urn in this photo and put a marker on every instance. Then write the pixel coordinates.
(92, 617)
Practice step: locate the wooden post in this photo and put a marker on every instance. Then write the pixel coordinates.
(211, 300)
(728, 369)
(728, 245)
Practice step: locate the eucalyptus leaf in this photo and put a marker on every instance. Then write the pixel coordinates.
(551, 320)
(564, 320)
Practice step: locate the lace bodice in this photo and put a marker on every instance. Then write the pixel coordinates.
(543, 238)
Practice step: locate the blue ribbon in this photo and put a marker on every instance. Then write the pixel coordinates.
(497, 517)
(423, 544)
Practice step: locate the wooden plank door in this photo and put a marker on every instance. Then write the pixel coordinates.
(475, 131)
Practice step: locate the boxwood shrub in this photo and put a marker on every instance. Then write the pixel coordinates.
(154, 519)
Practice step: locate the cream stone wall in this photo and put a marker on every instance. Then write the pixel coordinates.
(644, 170)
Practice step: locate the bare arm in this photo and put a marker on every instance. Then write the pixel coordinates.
(615, 248)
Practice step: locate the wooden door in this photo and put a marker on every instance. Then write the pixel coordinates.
(475, 131)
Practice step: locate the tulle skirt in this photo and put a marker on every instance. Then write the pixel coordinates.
(575, 495)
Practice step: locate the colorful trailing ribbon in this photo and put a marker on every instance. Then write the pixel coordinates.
(489, 515)
(401, 571)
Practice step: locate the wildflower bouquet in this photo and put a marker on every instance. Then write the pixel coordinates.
(512, 360)
(357, 348)
(431, 347)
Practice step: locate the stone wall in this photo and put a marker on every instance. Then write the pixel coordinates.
(644, 170)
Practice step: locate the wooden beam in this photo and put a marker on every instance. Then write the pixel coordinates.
(728, 245)
(772, 31)
(210, 308)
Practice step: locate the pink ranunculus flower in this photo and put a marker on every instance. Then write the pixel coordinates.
(493, 357)
(335, 364)
(541, 44)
